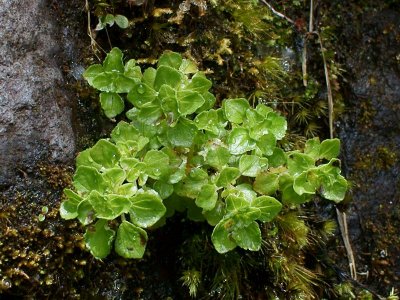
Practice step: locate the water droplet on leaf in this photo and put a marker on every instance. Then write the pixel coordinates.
(141, 89)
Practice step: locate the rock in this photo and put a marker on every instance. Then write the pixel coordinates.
(35, 108)
(370, 134)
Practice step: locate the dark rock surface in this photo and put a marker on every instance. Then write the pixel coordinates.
(35, 108)
(370, 133)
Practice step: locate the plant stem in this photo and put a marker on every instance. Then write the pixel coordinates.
(281, 15)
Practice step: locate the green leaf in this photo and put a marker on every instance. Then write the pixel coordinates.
(182, 134)
(69, 208)
(207, 197)
(124, 132)
(167, 75)
(209, 102)
(113, 82)
(329, 149)
(149, 75)
(109, 19)
(266, 183)
(252, 118)
(133, 71)
(131, 240)
(278, 125)
(87, 179)
(180, 173)
(335, 191)
(147, 208)
(127, 190)
(239, 141)
(227, 176)
(163, 189)
(71, 195)
(141, 94)
(114, 176)
(170, 59)
(113, 61)
(266, 144)
(215, 215)
(85, 212)
(100, 25)
(235, 203)
(105, 153)
(235, 109)
(249, 165)
(121, 21)
(246, 190)
(199, 83)
(157, 163)
(112, 104)
(269, 207)
(84, 159)
(188, 67)
(258, 130)
(91, 73)
(289, 196)
(307, 182)
(132, 167)
(209, 120)
(299, 162)
(249, 237)
(218, 157)
(150, 113)
(334, 185)
(191, 185)
(263, 110)
(99, 239)
(169, 102)
(278, 158)
(221, 237)
(312, 148)
(189, 102)
(109, 207)
(245, 216)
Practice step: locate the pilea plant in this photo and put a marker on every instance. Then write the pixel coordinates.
(178, 153)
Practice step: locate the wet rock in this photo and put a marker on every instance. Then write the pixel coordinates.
(370, 133)
(35, 109)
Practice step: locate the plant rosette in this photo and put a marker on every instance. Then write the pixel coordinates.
(178, 153)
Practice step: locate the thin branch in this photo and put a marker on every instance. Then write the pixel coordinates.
(341, 216)
(93, 44)
(281, 15)
(328, 86)
(342, 220)
(311, 21)
(304, 63)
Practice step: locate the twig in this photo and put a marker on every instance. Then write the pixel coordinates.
(281, 15)
(93, 44)
(311, 21)
(304, 62)
(341, 216)
(328, 86)
(304, 52)
(342, 220)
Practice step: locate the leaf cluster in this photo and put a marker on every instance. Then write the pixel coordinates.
(110, 19)
(178, 153)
